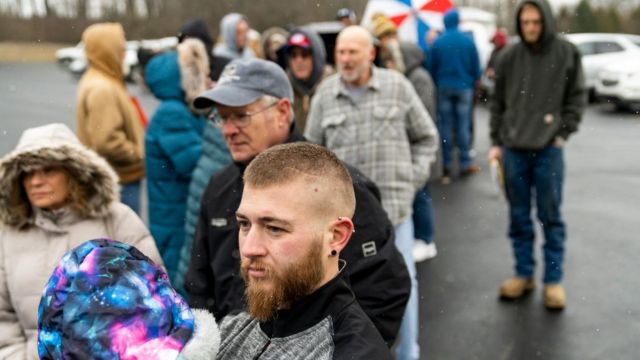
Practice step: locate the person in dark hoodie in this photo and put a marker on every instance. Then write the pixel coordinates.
(197, 28)
(455, 66)
(253, 101)
(538, 102)
(234, 30)
(306, 67)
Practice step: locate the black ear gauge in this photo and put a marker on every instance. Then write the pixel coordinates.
(334, 252)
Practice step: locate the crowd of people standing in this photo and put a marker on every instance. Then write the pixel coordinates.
(288, 197)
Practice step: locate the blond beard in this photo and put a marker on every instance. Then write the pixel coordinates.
(288, 285)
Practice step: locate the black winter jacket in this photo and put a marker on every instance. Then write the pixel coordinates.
(375, 268)
(327, 324)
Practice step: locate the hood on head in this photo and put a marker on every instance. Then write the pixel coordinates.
(48, 145)
(107, 300)
(548, 23)
(319, 60)
(180, 74)
(228, 26)
(197, 28)
(104, 46)
(412, 56)
(452, 19)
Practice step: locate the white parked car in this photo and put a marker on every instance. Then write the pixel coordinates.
(620, 83)
(73, 58)
(601, 49)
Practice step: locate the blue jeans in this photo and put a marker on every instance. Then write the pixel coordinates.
(130, 195)
(454, 114)
(408, 348)
(542, 170)
(423, 216)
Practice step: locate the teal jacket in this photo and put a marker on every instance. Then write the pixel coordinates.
(215, 156)
(173, 144)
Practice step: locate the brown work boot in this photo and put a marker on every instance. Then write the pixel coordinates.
(554, 297)
(515, 288)
(472, 169)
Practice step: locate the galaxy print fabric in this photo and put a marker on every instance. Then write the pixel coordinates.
(107, 300)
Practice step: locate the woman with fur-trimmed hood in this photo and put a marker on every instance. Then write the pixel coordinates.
(173, 142)
(56, 193)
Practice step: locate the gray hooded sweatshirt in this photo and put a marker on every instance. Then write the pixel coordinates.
(228, 48)
(539, 92)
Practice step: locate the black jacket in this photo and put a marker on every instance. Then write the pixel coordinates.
(539, 89)
(375, 269)
(326, 324)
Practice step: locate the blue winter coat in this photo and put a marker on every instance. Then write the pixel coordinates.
(453, 59)
(173, 145)
(215, 156)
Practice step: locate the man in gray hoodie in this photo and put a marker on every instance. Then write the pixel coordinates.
(234, 29)
(538, 102)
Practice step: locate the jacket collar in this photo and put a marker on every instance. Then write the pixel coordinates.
(294, 136)
(373, 84)
(55, 221)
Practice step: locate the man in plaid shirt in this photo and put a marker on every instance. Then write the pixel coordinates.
(373, 119)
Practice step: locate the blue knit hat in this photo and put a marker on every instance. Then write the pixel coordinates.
(107, 300)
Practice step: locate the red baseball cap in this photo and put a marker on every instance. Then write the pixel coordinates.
(300, 40)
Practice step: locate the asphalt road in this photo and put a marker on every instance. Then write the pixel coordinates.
(461, 317)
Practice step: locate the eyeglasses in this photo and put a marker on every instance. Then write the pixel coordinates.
(239, 119)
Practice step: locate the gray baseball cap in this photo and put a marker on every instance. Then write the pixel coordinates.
(243, 81)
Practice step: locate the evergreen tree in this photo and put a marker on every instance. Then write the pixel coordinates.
(585, 20)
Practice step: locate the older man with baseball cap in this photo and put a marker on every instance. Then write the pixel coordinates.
(253, 102)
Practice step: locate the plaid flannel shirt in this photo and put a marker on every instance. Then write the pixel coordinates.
(387, 134)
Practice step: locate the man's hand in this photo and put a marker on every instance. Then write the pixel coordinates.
(495, 153)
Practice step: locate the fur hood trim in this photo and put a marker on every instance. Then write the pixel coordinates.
(205, 341)
(194, 69)
(54, 145)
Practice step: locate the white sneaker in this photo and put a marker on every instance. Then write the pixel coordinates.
(423, 251)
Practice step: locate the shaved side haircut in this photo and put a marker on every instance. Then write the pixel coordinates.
(315, 164)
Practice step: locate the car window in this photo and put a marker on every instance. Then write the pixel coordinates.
(603, 47)
(586, 48)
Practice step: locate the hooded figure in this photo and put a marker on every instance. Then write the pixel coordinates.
(107, 300)
(303, 89)
(420, 79)
(33, 238)
(173, 142)
(197, 28)
(107, 121)
(229, 46)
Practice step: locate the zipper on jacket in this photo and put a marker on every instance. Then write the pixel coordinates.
(264, 348)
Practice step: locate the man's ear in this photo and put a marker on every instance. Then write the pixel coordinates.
(284, 108)
(341, 230)
(372, 55)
